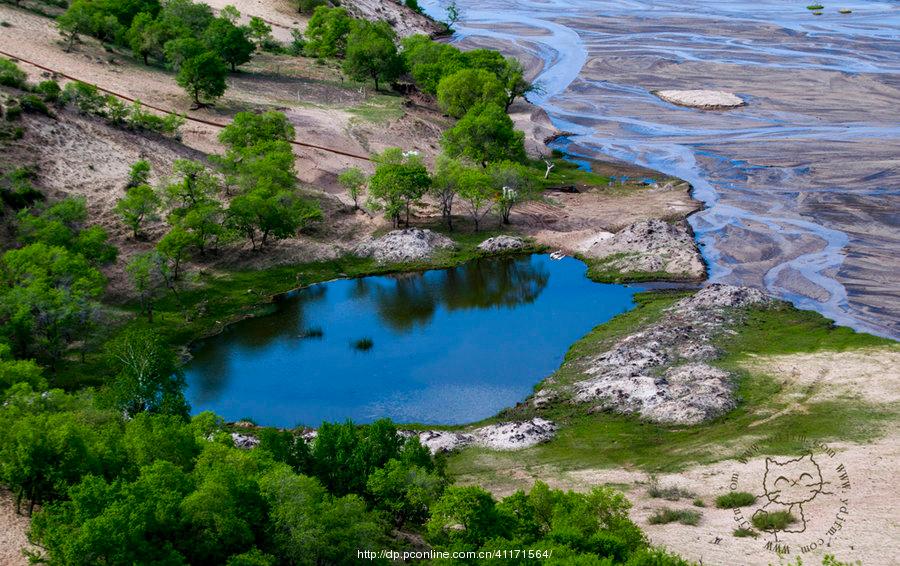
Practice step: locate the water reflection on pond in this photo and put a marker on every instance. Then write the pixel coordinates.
(447, 346)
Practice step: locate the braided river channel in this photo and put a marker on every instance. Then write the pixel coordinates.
(801, 185)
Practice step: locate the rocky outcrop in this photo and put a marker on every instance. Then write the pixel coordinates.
(403, 246)
(500, 436)
(662, 372)
(650, 246)
(244, 441)
(500, 244)
(404, 20)
(704, 99)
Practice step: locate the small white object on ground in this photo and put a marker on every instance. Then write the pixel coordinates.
(706, 99)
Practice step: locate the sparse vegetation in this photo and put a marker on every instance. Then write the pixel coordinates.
(774, 521)
(669, 493)
(735, 499)
(684, 516)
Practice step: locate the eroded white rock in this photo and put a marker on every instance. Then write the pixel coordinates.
(401, 246)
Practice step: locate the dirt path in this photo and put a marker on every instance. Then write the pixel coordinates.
(12, 532)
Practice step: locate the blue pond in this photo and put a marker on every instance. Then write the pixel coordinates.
(447, 346)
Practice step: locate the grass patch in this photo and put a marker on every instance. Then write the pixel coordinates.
(743, 533)
(735, 499)
(604, 270)
(565, 173)
(665, 516)
(699, 503)
(815, 7)
(378, 109)
(363, 344)
(775, 521)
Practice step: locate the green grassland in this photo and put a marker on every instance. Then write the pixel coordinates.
(603, 440)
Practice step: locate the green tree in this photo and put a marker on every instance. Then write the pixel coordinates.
(140, 203)
(311, 526)
(445, 185)
(327, 32)
(186, 17)
(405, 491)
(120, 522)
(76, 21)
(203, 77)
(267, 213)
(93, 244)
(182, 49)
(148, 275)
(465, 515)
(372, 53)
(229, 41)
(43, 454)
(516, 185)
(429, 61)
(204, 221)
(249, 129)
(459, 92)
(514, 83)
(151, 438)
(138, 174)
(193, 184)
(477, 193)
(399, 181)
(176, 247)
(353, 179)
(147, 37)
(259, 31)
(485, 134)
(48, 297)
(309, 6)
(13, 372)
(148, 377)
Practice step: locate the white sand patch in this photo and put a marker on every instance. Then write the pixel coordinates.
(706, 99)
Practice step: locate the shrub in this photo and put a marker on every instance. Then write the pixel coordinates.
(49, 90)
(699, 503)
(775, 521)
(744, 533)
(13, 112)
(363, 344)
(11, 74)
(33, 104)
(735, 499)
(86, 97)
(683, 516)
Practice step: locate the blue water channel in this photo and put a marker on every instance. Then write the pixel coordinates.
(447, 346)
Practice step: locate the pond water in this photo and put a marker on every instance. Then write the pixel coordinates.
(447, 346)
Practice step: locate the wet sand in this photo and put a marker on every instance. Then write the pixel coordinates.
(801, 185)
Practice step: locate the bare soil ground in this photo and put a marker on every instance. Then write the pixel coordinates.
(871, 529)
(83, 156)
(12, 532)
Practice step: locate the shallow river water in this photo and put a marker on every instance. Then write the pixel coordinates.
(447, 346)
(802, 185)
